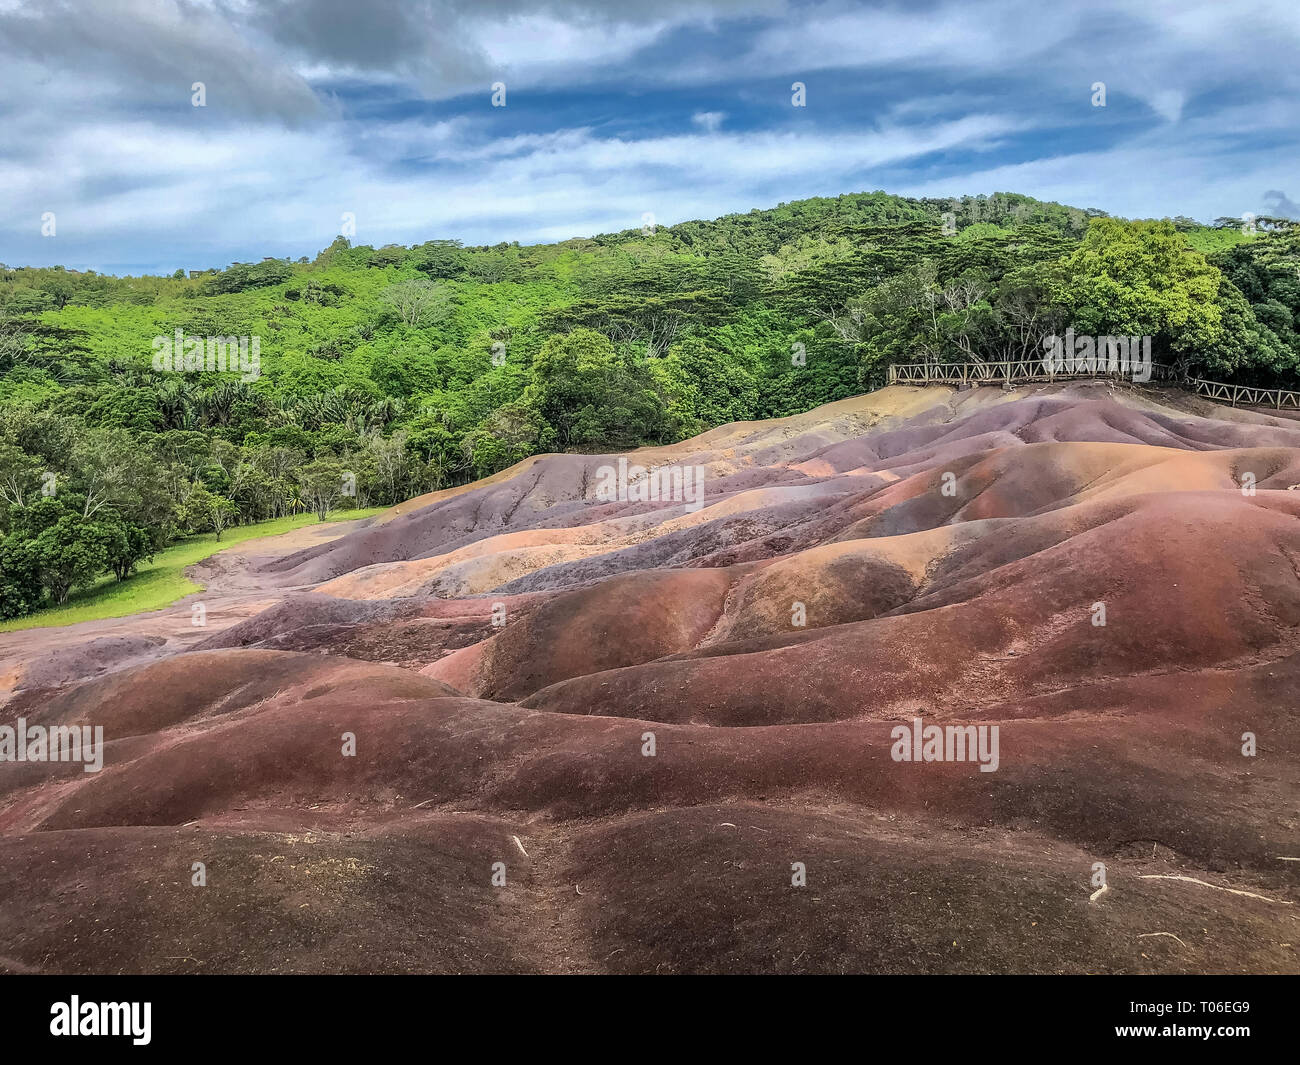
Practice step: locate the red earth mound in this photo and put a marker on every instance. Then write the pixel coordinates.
(517, 727)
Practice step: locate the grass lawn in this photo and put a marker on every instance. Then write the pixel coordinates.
(156, 584)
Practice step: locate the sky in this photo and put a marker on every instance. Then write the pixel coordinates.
(382, 110)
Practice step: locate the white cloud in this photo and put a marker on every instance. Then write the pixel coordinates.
(98, 127)
(280, 190)
(1159, 177)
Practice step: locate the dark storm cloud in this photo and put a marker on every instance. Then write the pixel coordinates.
(1281, 205)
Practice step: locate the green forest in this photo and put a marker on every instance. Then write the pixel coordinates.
(385, 372)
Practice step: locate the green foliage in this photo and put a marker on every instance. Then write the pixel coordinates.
(396, 370)
(205, 509)
(242, 276)
(1265, 273)
(510, 433)
(66, 550)
(1141, 279)
(158, 583)
(1209, 240)
(323, 485)
(20, 577)
(417, 300)
(591, 396)
(136, 544)
(705, 385)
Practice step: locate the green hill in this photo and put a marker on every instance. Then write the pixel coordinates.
(372, 374)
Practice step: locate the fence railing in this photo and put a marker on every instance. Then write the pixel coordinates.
(1011, 371)
(935, 373)
(1246, 395)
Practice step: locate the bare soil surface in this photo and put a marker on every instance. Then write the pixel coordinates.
(44, 658)
(514, 727)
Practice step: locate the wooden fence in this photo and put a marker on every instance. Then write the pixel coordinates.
(1246, 395)
(1028, 370)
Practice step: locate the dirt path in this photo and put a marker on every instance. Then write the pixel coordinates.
(50, 657)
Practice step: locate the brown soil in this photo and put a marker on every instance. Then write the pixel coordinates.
(501, 655)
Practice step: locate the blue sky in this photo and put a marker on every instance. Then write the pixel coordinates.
(382, 109)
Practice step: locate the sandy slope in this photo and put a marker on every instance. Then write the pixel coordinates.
(43, 658)
(503, 654)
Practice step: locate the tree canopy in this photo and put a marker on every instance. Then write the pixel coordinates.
(396, 370)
